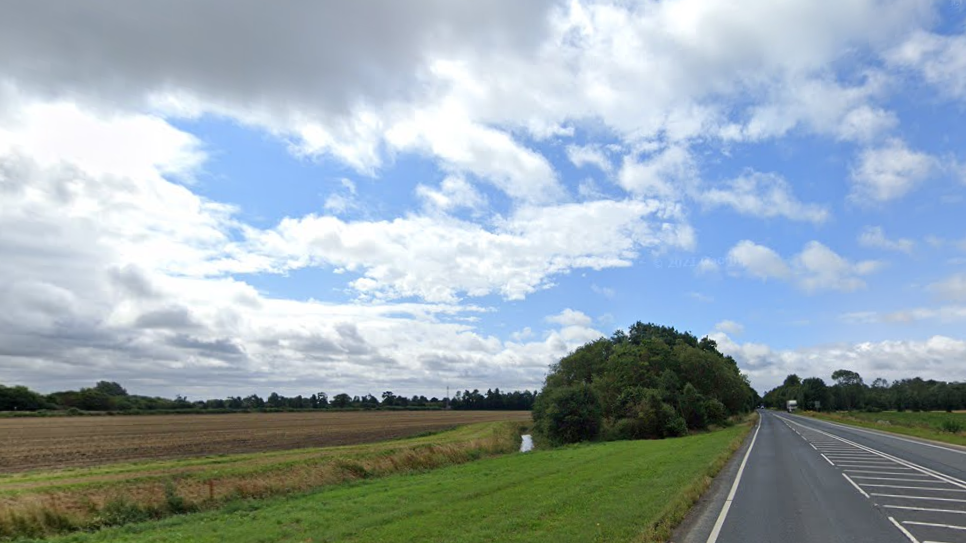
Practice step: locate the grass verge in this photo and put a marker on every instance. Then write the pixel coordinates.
(618, 491)
(46, 503)
(933, 425)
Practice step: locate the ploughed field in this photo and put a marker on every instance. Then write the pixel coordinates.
(61, 442)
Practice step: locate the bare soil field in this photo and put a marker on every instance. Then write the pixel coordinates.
(66, 442)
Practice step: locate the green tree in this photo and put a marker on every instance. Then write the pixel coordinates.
(568, 414)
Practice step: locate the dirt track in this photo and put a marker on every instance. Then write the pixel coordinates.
(61, 442)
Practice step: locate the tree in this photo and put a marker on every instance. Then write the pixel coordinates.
(110, 388)
(568, 414)
(20, 398)
(850, 389)
(814, 394)
(341, 401)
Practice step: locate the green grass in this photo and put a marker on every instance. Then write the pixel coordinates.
(618, 491)
(932, 425)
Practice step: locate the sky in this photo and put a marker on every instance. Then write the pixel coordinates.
(209, 198)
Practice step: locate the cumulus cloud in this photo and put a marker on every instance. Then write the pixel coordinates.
(767, 368)
(763, 195)
(890, 172)
(815, 268)
(874, 237)
(940, 60)
(758, 261)
(583, 155)
(730, 327)
(669, 173)
(453, 193)
(438, 258)
(570, 317)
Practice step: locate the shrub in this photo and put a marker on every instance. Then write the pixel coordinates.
(715, 411)
(951, 426)
(568, 414)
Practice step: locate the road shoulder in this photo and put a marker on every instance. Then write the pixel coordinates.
(699, 522)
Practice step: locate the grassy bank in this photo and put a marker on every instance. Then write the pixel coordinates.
(43, 503)
(934, 425)
(619, 491)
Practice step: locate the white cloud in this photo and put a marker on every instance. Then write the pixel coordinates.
(763, 195)
(730, 327)
(758, 261)
(895, 359)
(582, 155)
(606, 292)
(453, 193)
(570, 317)
(874, 237)
(707, 266)
(667, 174)
(951, 288)
(438, 258)
(820, 268)
(815, 268)
(940, 60)
(703, 298)
(890, 172)
(948, 313)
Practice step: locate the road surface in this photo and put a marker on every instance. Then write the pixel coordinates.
(801, 480)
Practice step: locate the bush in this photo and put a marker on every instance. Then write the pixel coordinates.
(568, 414)
(715, 412)
(693, 408)
(951, 426)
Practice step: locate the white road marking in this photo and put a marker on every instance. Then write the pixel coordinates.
(893, 436)
(918, 497)
(878, 472)
(927, 509)
(918, 487)
(857, 487)
(934, 525)
(713, 537)
(891, 479)
(904, 531)
(826, 459)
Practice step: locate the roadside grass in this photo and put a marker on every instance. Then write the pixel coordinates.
(45, 503)
(630, 491)
(934, 425)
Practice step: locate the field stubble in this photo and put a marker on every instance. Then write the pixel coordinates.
(38, 503)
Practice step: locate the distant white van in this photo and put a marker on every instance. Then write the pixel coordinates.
(791, 405)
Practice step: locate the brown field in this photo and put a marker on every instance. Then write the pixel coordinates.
(67, 442)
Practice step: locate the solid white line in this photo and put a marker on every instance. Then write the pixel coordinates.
(918, 488)
(904, 531)
(734, 488)
(934, 524)
(891, 479)
(928, 509)
(857, 487)
(918, 497)
(813, 446)
(826, 459)
(878, 472)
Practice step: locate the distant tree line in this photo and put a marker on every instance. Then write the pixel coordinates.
(650, 382)
(111, 396)
(849, 392)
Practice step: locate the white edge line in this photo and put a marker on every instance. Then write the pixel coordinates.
(713, 537)
(904, 531)
(857, 487)
(826, 459)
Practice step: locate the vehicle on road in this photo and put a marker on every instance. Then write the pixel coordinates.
(791, 405)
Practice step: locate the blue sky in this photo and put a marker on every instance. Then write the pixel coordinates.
(408, 197)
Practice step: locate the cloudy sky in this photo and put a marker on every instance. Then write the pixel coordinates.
(213, 198)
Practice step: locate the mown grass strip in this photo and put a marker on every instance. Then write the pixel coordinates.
(926, 425)
(618, 491)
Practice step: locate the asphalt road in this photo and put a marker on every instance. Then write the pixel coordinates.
(809, 481)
